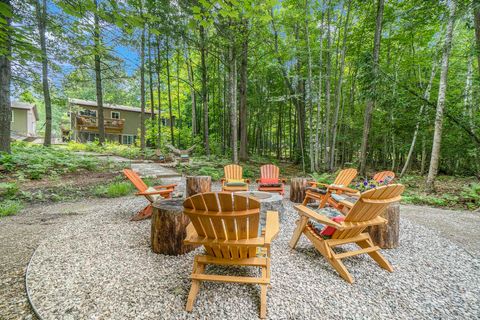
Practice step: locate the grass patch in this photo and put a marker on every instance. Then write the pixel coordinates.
(114, 189)
(10, 207)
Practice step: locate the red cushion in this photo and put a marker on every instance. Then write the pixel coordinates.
(268, 180)
(328, 231)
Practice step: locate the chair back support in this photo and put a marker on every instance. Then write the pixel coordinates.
(135, 179)
(380, 176)
(269, 171)
(345, 177)
(233, 171)
(369, 206)
(224, 216)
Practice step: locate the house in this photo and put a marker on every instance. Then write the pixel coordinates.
(24, 120)
(122, 123)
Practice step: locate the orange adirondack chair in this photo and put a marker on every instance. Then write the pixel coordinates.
(339, 186)
(381, 176)
(269, 179)
(150, 193)
(233, 180)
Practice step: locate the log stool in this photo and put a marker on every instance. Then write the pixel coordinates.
(386, 236)
(169, 227)
(297, 189)
(198, 184)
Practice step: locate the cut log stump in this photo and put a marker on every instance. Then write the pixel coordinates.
(198, 184)
(169, 228)
(297, 189)
(387, 236)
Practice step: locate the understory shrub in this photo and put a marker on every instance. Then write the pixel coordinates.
(10, 207)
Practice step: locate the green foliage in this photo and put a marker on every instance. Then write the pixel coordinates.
(215, 173)
(8, 189)
(114, 189)
(10, 207)
(322, 177)
(122, 150)
(33, 161)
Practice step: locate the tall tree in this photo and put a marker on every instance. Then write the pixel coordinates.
(442, 89)
(41, 15)
(5, 74)
(169, 90)
(367, 122)
(328, 74)
(142, 88)
(476, 19)
(232, 85)
(243, 108)
(97, 40)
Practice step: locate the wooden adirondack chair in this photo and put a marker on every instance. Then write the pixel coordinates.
(227, 226)
(364, 213)
(381, 176)
(270, 180)
(150, 193)
(339, 186)
(233, 180)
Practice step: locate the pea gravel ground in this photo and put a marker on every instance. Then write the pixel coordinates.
(93, 263)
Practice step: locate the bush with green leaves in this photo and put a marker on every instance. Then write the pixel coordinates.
(8, 190)
(216, 174)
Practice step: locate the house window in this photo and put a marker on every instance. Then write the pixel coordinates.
(128, 139)
(89, 113)
(115, 115)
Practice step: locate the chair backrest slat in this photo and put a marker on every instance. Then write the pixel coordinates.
(233, 171)
(345, 177)
(381, 176)
(369, 206)
(220, 216)
(135, 179)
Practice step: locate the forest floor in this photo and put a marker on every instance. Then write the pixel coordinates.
(21, 234)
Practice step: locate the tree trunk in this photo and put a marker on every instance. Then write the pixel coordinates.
(191, 79)
(387, 236)
(476, 19)
(243, 111)
(319, 106)
(142, 91)
(159, 89)
(5, 78)
(168, 228)
(167, 59)
(338, 90)
(442, 88)
(98, 75)
(41, 10)
(371, 101)
(327, 89)
(150, 76)
(309, 92)
(232, 85)
(197, 184)
(420, 114)
(297, 189)
(178, 99)
(203, 58)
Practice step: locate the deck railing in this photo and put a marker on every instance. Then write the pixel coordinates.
(92, 122)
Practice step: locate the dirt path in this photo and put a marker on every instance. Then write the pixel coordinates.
(21, 234)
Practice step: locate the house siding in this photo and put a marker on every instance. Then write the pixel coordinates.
(20, 121)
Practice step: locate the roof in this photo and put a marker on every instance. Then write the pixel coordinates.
(87, 103)
(25, 106)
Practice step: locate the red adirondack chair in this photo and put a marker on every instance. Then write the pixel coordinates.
(152, 194)
(269, 179)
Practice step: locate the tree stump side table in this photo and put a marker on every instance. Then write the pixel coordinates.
(169, 225)
(197, 184)
(297, 189)
(386, 236)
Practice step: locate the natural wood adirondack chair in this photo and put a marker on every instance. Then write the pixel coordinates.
(381, 176)
(150, 193)
(270, 180)
(364, 213)
(339, 186)
(227, 226)
(233, 180)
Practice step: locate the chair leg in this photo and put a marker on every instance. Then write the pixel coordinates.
(143, 214)
(306, 200)
(338, 265)
(324, 200)
(302, 222)
(263, 293)
(375, 255)
(197, 269)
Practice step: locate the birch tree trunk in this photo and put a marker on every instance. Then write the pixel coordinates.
(41, 10)
(420, 114)
(319, 106)
(338, 90)
(5, 79)
(169, 91)
(243, 112)
(142, 91)
(150, 75)
(327, 89)
(191, 80)
(203, 58)
(98, 74)
(159, 89)
(309, 91)
(371, 102)
(476, 19)
(232, 85)
(442, 88)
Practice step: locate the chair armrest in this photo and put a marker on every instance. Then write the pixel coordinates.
(167, 186)
(272, 226)
(247, 180)
(257, 180)
(153, 192)
(302, 210)
(344, 189)
(283, 180)
(347, 204)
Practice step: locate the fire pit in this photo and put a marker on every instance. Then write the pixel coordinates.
(268, 202)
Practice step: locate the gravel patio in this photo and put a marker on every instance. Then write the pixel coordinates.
(101, 267)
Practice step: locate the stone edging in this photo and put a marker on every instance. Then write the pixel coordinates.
(34, 309)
